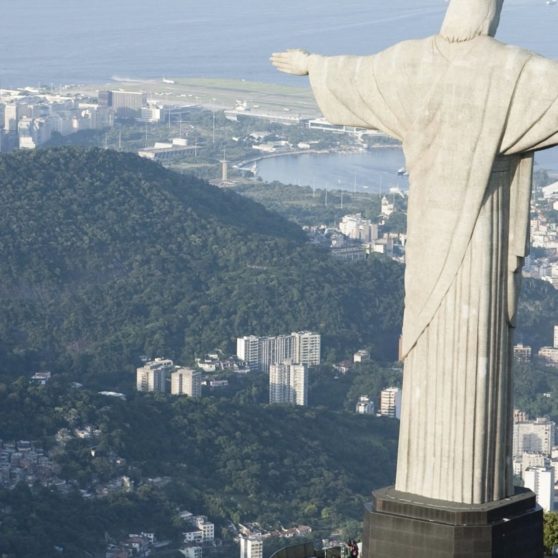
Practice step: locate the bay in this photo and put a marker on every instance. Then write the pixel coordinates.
(372, 171)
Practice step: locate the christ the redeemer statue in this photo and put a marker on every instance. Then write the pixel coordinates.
(469, 111)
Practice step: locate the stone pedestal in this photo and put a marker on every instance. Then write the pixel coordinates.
(402, 525)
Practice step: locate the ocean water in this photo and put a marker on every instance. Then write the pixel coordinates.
(86, 41)
(74, 41)
(373, 172)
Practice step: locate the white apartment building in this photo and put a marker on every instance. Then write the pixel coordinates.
(390, 403)
(549, 354)
(361, 356)
(303, 347)
(299, 383)
(193, 536)
(207, 528)
(556, 336)
(364, 406)
(529, 460)
(283, 348)
(358, 228)
(248, 350)
(152, 113)
(266, 353)
(533, 436)
(520, 416)
(192, 552)
(522, 353)
(279, 384)
(126, 103)
(387, 207)
(251, 547)
(288, 383)
(306, 348)
(541, 481)
(154, 375)
(186, 381)
(11, 117)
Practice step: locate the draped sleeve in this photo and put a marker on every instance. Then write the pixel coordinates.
(532, 122)
(347, 92)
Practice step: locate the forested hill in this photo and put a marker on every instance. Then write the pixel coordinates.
(106, 256)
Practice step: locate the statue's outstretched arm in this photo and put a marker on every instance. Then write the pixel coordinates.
(345, 88)
(292, 61)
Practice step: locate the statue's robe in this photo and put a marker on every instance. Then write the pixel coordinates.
(469, 116)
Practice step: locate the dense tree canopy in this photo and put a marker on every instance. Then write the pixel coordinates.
(224, 458)
(106, 256)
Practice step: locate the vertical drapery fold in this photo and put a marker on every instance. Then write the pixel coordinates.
(456, 107)
(456, 378)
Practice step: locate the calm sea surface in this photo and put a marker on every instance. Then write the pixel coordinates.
(374, 171)
(63, 41)
(77, 41)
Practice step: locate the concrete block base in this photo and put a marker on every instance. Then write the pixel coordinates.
(401, 525)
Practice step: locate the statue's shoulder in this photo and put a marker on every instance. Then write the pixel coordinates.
(408, 50)
(413, 45)
(492, 45)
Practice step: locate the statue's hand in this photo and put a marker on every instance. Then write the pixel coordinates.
(292, 61)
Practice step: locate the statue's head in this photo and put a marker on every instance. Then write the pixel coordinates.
(467, 19)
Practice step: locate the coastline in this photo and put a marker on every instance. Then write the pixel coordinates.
(242, 165)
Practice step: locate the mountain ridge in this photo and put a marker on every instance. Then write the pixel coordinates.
(109, 256)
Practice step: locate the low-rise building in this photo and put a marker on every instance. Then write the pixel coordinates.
(387, 207)
(166, 151)
(41, 378)
(522, 353)
(548, 354)
(361, 356)
(364, 406)
(195, 536)
(192, 551)
(207, 528)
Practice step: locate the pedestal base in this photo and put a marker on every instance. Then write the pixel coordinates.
(401, 525)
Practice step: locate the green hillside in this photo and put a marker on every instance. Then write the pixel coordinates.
(232, 461)
(106, 256)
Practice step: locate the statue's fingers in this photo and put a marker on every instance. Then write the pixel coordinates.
(280, 58)
(279, 62)
(285, 63)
